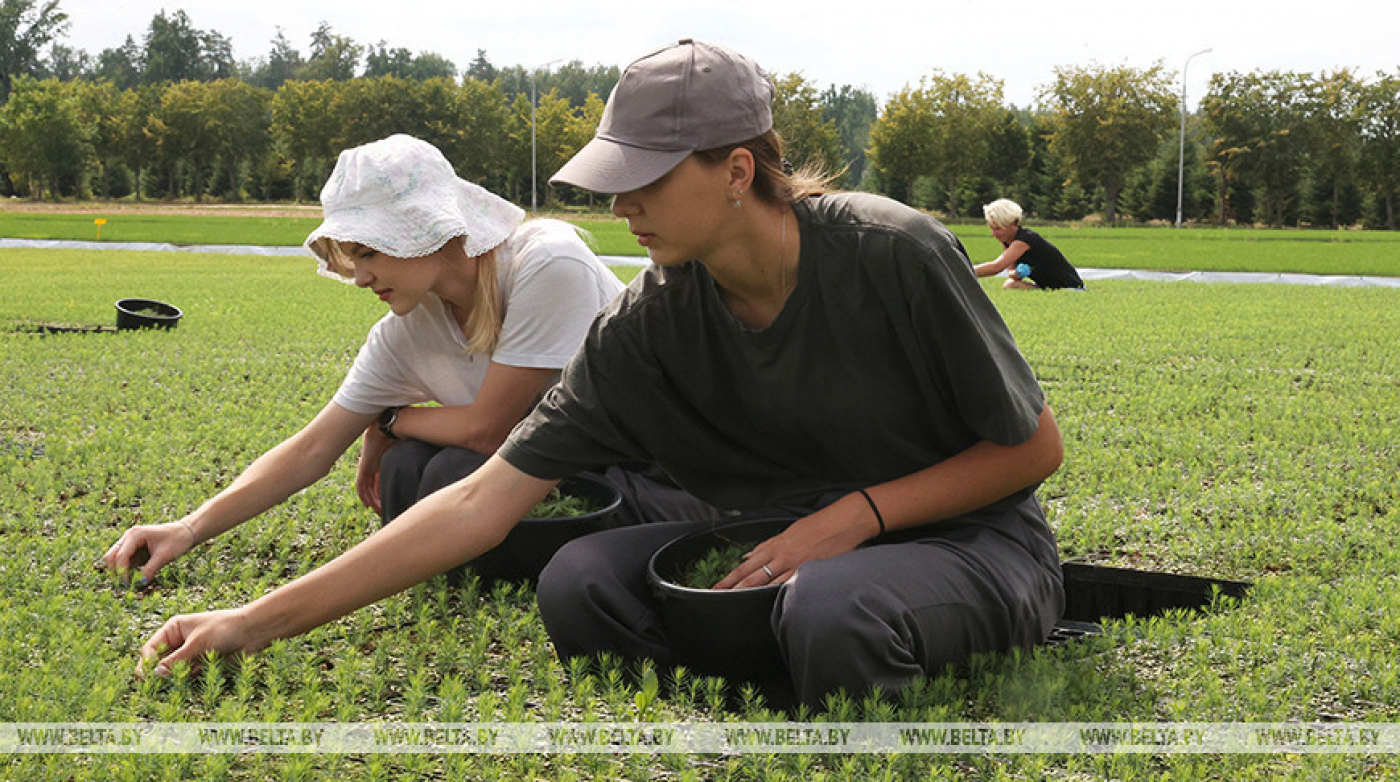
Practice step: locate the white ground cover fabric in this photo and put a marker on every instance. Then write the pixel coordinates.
(1340, 281)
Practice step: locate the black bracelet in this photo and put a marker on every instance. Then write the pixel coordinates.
(878, 517)
(386, 422)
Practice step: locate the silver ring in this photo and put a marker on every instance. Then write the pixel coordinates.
(769, 572)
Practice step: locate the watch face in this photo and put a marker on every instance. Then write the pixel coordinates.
(386, 422)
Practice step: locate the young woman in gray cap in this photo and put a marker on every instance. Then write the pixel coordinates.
(828, 355)
(485, 309)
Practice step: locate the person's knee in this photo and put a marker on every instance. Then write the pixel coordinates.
(401, 475)
(448, 466)
(407, 457)
(835, 636)
(562, 583)
(816, 613)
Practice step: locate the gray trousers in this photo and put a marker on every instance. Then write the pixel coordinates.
(412, 469)
(882, 615)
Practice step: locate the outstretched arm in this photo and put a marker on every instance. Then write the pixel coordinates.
(1007, 260)
(445, 529)
(286, 469)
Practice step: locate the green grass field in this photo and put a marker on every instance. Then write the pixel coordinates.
(1200, 249)
(1234, 431)
(195, 228)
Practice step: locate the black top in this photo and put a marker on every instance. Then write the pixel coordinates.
(888, 357)
(1049, 267)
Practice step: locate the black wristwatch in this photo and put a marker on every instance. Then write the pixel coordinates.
(386, 422)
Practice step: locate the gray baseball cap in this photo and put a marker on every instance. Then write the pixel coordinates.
(686, 97)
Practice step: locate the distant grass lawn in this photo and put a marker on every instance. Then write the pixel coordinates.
(169, 228)
(1373, 253)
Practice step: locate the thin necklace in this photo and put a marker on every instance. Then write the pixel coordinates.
(782, 259)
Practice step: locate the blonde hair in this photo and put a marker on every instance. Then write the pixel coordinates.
(1002, 212)
(484, 322)
(337, 258)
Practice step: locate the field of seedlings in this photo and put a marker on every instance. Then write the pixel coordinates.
(1247, 432)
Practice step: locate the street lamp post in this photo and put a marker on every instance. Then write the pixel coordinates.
(534, 205)
(1181, 151)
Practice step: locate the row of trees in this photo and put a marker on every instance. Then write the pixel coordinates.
(231, 140)
(1277, 147)
(175, 117)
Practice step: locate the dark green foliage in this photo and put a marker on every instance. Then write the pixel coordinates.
(26, 27)
(559, 505)
(715, 565)
(1283, 148)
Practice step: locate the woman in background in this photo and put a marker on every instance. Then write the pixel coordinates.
(1032, 261)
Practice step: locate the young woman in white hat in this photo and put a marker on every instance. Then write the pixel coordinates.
(485, 309)
(829, 355)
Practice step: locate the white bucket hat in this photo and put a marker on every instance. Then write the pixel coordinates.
(400, 196)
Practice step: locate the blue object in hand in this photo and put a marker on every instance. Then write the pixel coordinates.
(1023, 269)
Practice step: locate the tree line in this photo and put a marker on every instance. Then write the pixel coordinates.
(174, 116)
(1281, 148)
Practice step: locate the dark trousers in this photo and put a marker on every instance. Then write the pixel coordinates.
(412, 469)
(881, 615)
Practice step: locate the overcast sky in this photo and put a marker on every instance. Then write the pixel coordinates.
(878, 45)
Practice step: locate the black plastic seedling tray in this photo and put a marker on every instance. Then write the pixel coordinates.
(1067, 630)
(1096, 592)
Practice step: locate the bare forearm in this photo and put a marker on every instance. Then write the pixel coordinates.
(459, 426)
(970, 480)
(271, 479)
(1007, 260)
(992, 268)
(447, 528)
(507, 393)
(395, 558)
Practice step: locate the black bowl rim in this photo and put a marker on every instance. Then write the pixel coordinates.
(125, 305)
(610, 507)
(664, 586)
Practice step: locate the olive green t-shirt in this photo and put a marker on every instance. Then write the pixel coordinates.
(887, 358)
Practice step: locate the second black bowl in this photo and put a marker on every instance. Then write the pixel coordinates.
(534, 541)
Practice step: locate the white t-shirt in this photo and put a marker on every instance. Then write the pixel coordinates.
(551, 287)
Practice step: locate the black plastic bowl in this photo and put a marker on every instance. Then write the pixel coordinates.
(533, 541)
(717, 632)
(147, 313)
